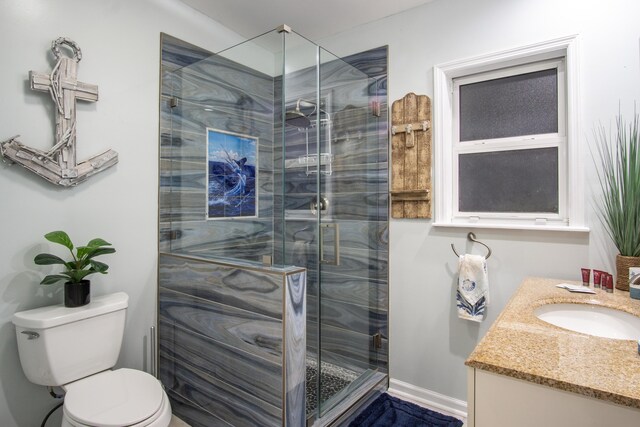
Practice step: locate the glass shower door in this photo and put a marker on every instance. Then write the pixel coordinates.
(333, 182)
(348, 204)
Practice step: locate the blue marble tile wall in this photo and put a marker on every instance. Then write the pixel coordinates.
(353, 296)
(221, 332)
(295, 335)
(213, 92)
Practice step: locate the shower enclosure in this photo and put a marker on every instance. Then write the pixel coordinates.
(273, 231)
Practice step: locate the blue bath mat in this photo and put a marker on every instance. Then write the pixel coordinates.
(388, 411)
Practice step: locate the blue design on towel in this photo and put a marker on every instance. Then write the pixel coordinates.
(472, 310)
(468, 285)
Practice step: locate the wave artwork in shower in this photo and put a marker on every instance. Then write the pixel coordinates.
(231, 175)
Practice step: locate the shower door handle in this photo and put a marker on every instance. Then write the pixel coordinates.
(336, 243)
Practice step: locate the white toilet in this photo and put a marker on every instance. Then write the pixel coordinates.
(75, 348)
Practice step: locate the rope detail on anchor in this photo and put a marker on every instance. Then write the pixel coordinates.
(55, 48)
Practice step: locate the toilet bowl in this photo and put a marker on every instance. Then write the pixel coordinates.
(76, 349)
(123, 397)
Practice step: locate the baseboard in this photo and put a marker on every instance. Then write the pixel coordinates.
(429, 399)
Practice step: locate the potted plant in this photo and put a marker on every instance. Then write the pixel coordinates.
(77, 288)
(619, 208)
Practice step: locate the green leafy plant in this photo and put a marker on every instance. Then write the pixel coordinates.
(619, 176)
(82, 263)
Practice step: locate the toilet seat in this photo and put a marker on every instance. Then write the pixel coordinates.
(124, 397)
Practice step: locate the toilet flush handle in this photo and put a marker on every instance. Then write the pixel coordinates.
(32, 335)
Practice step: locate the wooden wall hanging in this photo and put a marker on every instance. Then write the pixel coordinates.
(59, 164)
(411, 157)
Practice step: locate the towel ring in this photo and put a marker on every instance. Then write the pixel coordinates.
(471, 236)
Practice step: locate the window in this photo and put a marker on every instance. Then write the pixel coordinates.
(505, 140)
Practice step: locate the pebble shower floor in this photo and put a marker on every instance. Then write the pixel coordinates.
(334, 379)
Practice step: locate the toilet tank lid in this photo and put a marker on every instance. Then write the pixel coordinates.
(56, 315)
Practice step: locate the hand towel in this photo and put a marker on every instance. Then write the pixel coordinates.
(473, 288)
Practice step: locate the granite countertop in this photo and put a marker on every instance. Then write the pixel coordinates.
(520, 345)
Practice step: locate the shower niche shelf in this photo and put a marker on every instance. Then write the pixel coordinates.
(311, 160)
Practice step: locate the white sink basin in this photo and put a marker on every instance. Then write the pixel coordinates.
(592, 320)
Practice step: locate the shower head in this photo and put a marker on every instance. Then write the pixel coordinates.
(297, 119)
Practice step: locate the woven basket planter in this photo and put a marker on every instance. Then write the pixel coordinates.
(623, 263)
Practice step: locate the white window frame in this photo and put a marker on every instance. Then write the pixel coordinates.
(447, 77)
(557, 140)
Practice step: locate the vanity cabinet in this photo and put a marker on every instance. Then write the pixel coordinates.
(496, 400)
(526, 372)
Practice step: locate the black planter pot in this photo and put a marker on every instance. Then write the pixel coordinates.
(77, 294)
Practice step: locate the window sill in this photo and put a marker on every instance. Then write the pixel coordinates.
(567, 228)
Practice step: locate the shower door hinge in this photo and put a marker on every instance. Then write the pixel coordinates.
(311, 420)
(173, 102)
(375, 108)
(377, 341)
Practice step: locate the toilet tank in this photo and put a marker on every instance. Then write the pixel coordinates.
(58, 345)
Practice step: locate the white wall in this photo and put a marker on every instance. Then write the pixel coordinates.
(429, 344)
(120, 41)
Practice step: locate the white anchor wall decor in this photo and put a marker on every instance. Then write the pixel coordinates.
(59, 165)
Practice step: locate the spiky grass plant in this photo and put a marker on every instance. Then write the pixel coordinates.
(619, 176)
